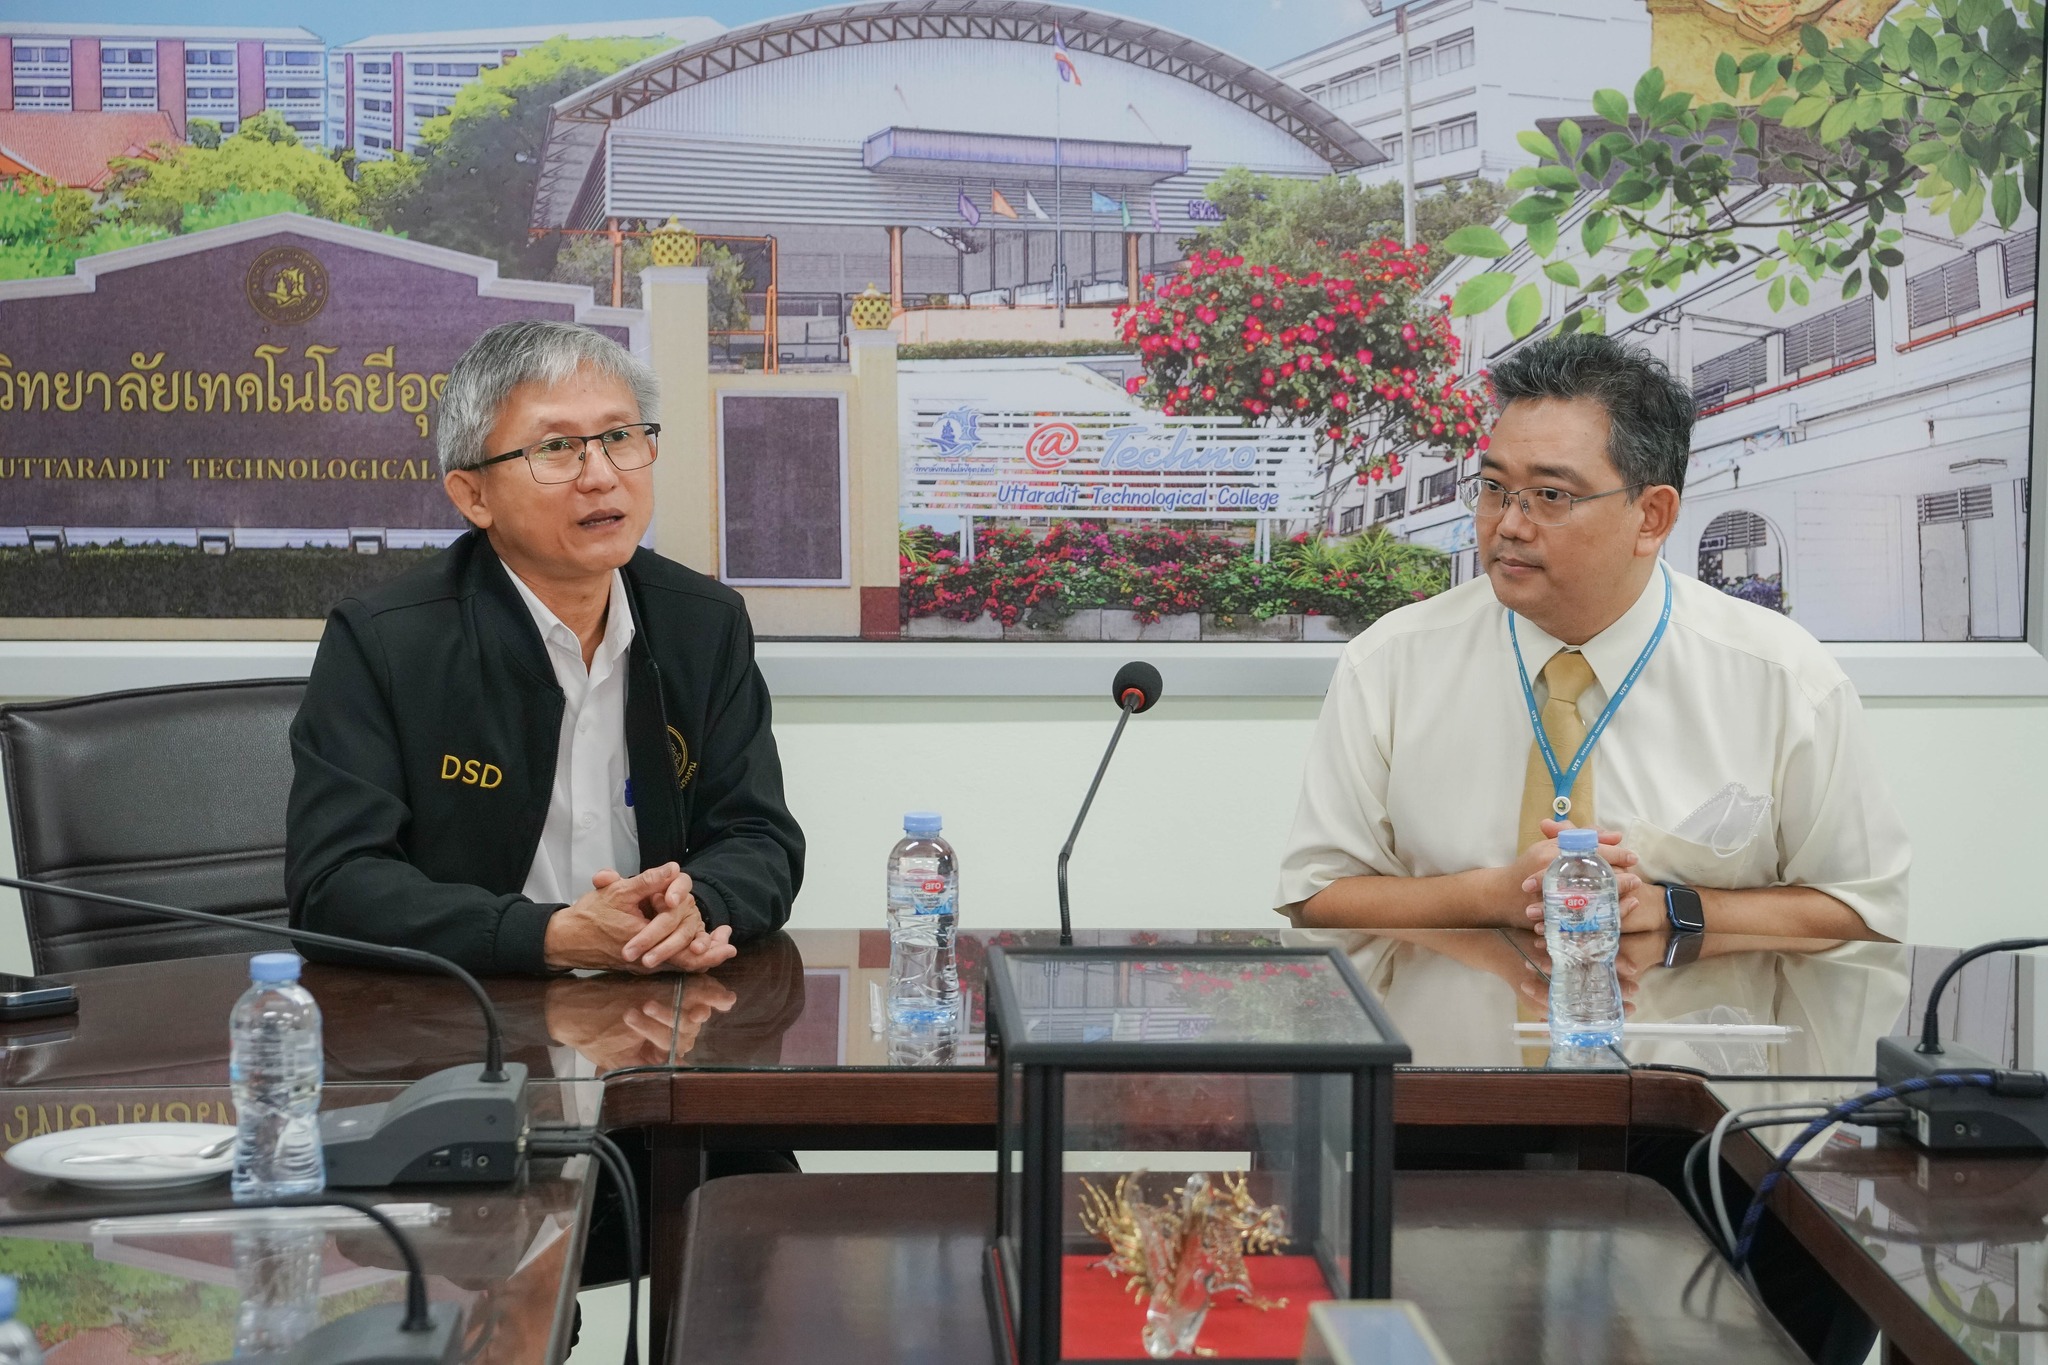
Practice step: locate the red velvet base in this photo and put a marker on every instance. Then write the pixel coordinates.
(1101, 1321)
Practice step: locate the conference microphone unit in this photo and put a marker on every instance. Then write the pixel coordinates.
(1135, 688)
(1958, 1099)
(462, 1125)
(414, 1332)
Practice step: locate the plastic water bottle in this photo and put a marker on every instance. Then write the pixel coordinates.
(924, 913)
(278, 1272)
(18, 1344)
(274, 1066)
(1582, 929)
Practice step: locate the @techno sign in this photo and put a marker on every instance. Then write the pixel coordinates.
(990, 461)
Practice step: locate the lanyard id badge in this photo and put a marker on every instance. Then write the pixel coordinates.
(1561, 779)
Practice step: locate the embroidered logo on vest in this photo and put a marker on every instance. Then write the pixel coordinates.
(470, 772)
(679, 751)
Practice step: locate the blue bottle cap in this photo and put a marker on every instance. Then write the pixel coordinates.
(271, 967)
(1578, 841)
(922, 822)
(10, 1297)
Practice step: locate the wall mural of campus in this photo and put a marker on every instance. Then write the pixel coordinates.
(1172, 357)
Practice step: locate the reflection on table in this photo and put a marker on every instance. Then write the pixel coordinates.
(1732, 1006)
(812, 1000)
(102, 1292)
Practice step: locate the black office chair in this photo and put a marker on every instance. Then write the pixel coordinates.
(170, 794)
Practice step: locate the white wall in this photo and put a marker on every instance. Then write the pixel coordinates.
(1188, 826)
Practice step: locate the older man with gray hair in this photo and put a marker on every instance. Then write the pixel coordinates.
(547, 748)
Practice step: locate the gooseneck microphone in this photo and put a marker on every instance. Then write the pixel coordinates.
(462, 1124)
(414, 1332)
(1135, 688)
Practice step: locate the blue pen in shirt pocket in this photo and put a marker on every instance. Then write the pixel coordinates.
(629, 791)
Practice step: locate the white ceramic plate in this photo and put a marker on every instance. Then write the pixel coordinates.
(159, 1155)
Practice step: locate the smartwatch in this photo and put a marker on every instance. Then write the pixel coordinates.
(1683, 950)
(1682, 907)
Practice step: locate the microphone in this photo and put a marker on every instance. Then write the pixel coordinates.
(459, 1125)
(1135, 688)
(415, 1332)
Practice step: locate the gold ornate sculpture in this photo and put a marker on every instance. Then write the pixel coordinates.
(1179, 1253)
(1687, 36)
(871, 310)
(672, 244)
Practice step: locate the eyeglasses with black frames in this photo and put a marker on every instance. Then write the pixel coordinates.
(559, 459)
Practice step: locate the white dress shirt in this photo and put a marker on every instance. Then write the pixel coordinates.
(1739, 759)
(589, 825)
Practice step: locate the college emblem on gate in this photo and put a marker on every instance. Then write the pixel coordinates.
(956, 433)
(287, 284)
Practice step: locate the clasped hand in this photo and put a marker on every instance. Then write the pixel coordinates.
(645, 923)
(1526, 879)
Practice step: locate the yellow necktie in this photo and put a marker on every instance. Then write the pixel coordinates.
(1567, 674)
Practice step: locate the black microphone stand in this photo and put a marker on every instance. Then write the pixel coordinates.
(415, 1332)
(494, 1030)
(1129, 704)
(461, 1124)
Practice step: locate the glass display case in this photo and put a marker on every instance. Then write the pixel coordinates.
(1196, 1144)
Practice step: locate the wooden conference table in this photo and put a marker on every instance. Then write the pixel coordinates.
(783, 1048)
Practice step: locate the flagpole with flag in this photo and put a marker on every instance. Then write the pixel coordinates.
(1064, 65)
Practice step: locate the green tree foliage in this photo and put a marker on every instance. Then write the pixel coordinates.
(264, 155)
(67, 1290)
(479, 163)
(383, 186)
(44, 228)
(1943, 106)
(261, 170)
(587, 259)
(1303, 225)
(202, 132)
(238, 206)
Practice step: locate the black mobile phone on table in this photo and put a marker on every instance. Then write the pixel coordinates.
(33, 997)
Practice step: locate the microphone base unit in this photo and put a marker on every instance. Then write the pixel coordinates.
(374, 1336)
(450, 1128)
(2010, 1116)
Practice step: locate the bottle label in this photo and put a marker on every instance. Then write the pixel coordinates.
(920, 888)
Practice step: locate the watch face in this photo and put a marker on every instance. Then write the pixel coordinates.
(1682, 907)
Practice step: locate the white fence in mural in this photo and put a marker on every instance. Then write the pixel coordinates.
(990, 461)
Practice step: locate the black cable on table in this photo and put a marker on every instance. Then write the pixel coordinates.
(564, 1140)
(1753, 1215)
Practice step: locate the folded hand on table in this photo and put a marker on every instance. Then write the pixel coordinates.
(1639, 911)
(644, 923)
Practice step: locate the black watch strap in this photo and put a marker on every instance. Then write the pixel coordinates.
(1682, 907)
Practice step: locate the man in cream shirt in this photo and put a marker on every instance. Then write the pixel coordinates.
(1733, 781)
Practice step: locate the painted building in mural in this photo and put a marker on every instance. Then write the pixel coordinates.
(380, 89)
(182, 71)
(1480, 71)
(1862, 466)
(936, 153)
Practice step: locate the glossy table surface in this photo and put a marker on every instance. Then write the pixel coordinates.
(785, 1046)
(100, 1291)
(1575, 1268)
(810, 1000)
(1949, 1253)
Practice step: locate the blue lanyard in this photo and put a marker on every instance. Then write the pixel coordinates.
(1561, 779)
